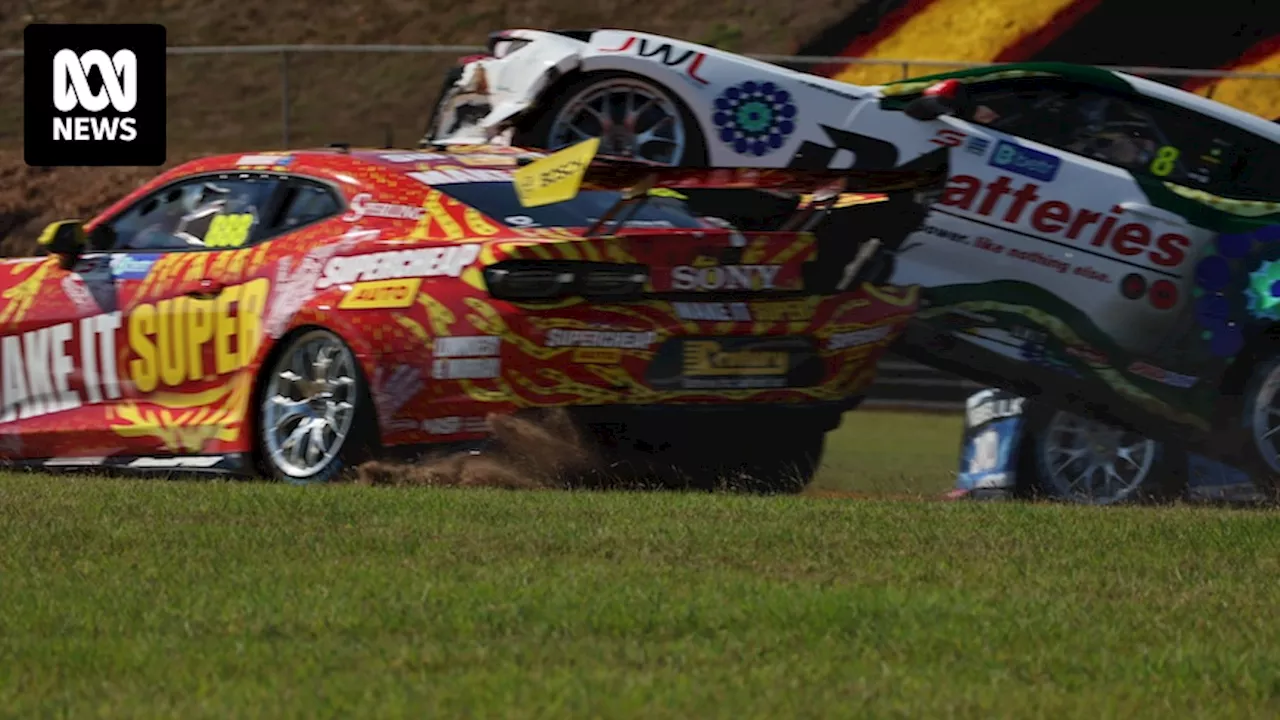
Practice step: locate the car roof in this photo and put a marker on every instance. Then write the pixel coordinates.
(346, 166)
(1102, 78)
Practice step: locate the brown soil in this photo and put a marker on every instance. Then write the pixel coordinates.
(230, 103)
(529, 452)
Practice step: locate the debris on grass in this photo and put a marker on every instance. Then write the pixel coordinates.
(538, 451)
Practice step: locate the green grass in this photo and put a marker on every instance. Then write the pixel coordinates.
(148, 598)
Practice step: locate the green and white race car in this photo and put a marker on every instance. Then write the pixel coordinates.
(1103, 243)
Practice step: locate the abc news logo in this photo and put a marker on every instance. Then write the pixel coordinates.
(94, 94)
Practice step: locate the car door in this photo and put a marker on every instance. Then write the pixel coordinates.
(1044, 224)
(189, 262)
(56, 357)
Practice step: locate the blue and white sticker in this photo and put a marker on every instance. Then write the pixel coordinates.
(132, 267)
(754, 118)
(977, 146)
(988, 451)
(1025, 161)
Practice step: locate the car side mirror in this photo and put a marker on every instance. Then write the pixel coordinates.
(948, 97)
(64, 238)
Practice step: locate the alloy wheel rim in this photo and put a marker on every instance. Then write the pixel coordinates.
(309, 406)
(1266, 419)
(632, 119)
(1092, 463)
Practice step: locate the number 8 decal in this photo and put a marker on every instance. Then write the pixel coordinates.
(1163, 163)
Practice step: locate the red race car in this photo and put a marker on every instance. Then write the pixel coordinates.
(288, 313)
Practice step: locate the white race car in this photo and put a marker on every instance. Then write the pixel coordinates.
(1104, 243)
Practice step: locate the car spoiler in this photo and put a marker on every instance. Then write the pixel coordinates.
(561, 175)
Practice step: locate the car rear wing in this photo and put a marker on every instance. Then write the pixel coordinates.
(559, 176)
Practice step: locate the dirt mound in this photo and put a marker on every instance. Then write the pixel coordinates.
(545, 450)
(32, 197)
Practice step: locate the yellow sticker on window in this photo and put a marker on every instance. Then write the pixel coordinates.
(226, 231)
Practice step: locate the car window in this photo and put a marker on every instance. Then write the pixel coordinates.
(498, 200)
(196, 214)
(1141, 135)
(305, 203)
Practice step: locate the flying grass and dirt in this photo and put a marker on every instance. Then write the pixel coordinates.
(145, 598)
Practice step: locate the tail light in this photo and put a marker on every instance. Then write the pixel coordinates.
(533, 280)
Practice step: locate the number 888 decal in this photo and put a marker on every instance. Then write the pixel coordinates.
(228, 231)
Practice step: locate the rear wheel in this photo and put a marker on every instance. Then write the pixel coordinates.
(633, 117)
(1078, 460)
(315, 416)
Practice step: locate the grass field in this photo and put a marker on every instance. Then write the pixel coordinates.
(150, 598)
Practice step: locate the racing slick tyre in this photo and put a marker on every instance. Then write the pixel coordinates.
(1260, 420)
(633, 117)
(1074, 459)
(315, 417)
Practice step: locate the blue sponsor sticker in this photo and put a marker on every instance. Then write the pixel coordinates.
(132, 267)
(1025, 161)
(977, 146)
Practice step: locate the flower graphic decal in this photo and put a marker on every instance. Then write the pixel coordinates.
(754, 118)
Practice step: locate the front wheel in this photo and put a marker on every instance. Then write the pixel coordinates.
(1261, 423)
(314, 417)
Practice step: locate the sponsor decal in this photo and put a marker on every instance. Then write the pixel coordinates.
(465, 368)
(391, 392)
(754, 117)
(466, 346)
(264, 159)
(1059, 221)
(724, 277)
(362, 208)
(448, 260)
(945, 234)
(132, 267)
(94, 94)
(977, 146)
(1025, 161)
(948, 138)
(169, 337)
(414, 157)
(666, 53)
(597, 356)
(858, 338)
(736, 363)
(1090, 355)
(296, 285)
(454, 425)
(80, 295)
(782, 311)
(600, 339)
(713, 311)
(981, 409)
(67, 365)
(452, 176)
(37, 369)
(773, 311)
(707, 357)
(1160, 375)
(188, 461)
(381, 294)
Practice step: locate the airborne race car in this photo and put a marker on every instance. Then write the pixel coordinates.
(1104, 244)
(294, 312)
